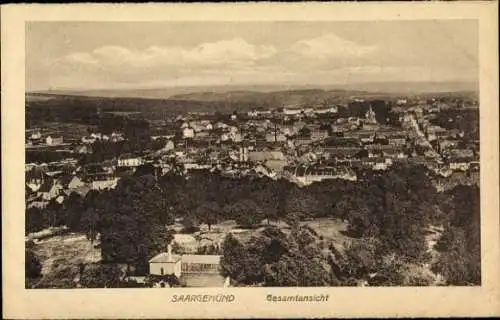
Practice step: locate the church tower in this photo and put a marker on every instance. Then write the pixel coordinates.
(370, 116)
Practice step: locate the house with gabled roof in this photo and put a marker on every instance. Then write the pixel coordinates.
(50, 189)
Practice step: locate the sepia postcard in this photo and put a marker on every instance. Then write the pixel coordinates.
(250, 160)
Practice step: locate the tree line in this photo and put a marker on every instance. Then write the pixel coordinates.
(392, 211)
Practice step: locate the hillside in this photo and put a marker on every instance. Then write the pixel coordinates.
(211, 93)
(50, 106)
(278, 98)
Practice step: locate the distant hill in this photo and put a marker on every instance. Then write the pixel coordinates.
(415, 87)
(233, 92)
(312, 97)
(68, 106)
(167, 92)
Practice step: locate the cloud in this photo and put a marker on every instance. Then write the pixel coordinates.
(330, 46)
(323, 60)
(80, 57)
(230, 55)
(112, 65)
(232, 52)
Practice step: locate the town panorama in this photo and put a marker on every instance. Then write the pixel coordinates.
(370, 184)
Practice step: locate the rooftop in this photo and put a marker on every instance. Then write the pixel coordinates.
(186, 258)
(163, 258)
(199, 258)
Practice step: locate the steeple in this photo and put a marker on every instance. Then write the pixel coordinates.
(370, 115)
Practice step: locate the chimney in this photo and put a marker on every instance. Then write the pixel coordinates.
(169, 252)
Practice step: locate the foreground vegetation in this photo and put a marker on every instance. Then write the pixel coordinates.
(388, 217)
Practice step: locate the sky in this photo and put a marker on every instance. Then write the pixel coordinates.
(133, 55)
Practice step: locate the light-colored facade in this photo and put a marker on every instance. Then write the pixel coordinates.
(104, 184)
(291, 112)
(53, 141)
(188, 133)
(166, 263)
(333, 109)
(75, 182)
(130, 162)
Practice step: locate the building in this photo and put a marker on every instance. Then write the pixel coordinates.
(262, 156)
(235, 136)
(84, 149)
(166, 263)
(292, 112)
(333, 109)
(50, 189)
(88, 140)
(193, 268)
(370, 116)
(397, 140)
(275, 137)
(318, 134)
(341, 152)
(36, 135)
(169, 145)
(109, 183)
(243, 154)
(382, 164)
(257, 113)
(53, 141)
(198, 263)
(73, 182)
(299, 141)
(128, 160)
(435, 132)
(116, 137)
(188, 133)
(305, 175)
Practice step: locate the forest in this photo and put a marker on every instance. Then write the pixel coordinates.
(466, 120)
(389, 214)
(85, 110)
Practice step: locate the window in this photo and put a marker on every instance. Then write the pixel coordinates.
(162, 271)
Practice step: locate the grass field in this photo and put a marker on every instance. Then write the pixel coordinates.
(331, 230)
(60, 256)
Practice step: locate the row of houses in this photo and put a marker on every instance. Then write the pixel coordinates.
(305, 175)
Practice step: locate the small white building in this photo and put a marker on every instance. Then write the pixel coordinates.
(88, 140)
(333, 109)
(188, 132)
(169, 145)
(53, 141)
(129, 161)
(236, 137)
(104, 184)
(75, 183)
(36, 135)
(292, 112)
(459, 165)
(166, 263)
